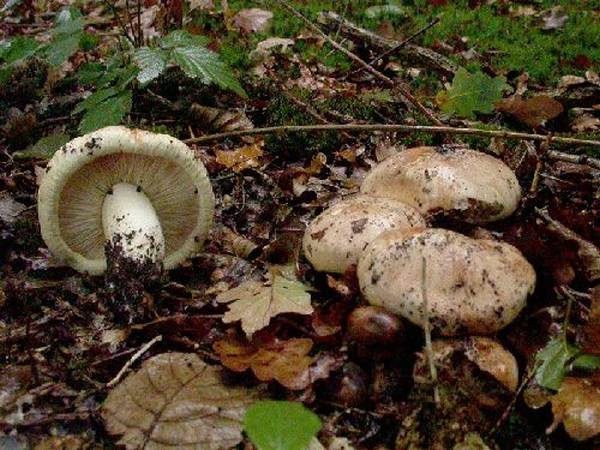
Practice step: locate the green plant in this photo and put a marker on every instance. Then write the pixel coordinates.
(280, 425)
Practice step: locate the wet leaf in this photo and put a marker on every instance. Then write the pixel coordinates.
(240, 159)
(254, 303)
(284, 361)
(552, 361)
(471, 93)
(280, 425)
(253, 20)
(176, 401)
(533, 111)
(45, 147)
(577, 407)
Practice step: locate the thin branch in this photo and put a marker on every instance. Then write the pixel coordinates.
(349, 127)
(115, 13)
(133, 359)
(403, 90)
(139, 23)
(427, 330)
(401, 44)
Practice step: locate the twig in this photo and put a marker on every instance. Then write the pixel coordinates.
(403, 90)
(427, 330)
(113, 9)
(409, 128)
(139, 23)
(576, 159)
(401, 44)
(133, 359)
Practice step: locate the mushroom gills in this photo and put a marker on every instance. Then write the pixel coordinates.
(130, 220)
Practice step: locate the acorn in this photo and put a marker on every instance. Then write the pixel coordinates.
(374, 325)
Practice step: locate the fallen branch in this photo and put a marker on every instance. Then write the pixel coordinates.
(399, 86)
(594, 162)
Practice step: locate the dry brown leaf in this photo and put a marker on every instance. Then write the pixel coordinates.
(242, 158)
(176, 401)
(577, 406)
(9, 208)
(586, 122)
(286, 361)
(201, 5)
(253, 20)
(534, 111)
(68, 442)
(254, 303)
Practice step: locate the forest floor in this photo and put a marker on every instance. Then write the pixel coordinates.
(70, 67)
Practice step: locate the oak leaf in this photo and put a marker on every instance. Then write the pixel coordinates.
(533, 111)
(284, 361)
(254, 303)
(175, 401)
(577, 406)
(240, 159)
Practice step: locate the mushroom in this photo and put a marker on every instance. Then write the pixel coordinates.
(142, 191)
(334, 240)
(477, 187)
(473, 286)
(487, 354)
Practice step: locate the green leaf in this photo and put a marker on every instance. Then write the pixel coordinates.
(108, 112)
(586, 361)
(96, 98)
(89, 73)
(44, 148)
(181, 38)
(471, 93)
(552, 360)
(62, 48)
(18, 49)
(199, 62)
(151, 62)
(378, 11)
(280, 425)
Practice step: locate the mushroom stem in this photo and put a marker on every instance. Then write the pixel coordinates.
(129, 219)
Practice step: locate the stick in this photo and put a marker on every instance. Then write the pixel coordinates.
(403, 90)
(415, 128)
(427, 330)
(144, 348)
(402, 44)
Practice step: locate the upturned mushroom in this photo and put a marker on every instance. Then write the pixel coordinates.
(335, 239)
(473, 286)
(474, 186)
(141, 191)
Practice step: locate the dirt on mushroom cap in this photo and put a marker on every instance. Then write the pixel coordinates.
(334, 240)
(474, 286)
(472, 185)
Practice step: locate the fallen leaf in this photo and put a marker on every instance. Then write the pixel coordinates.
(253, 20)
(577, 407)
(533, 111)
(265, 48)
(284, 361)
(470, 93)
(586, 122)
(554, 18)
(254, 303)
(9, 208)
(242, 158)
(591, 330)
(201, 5)
(175, 400)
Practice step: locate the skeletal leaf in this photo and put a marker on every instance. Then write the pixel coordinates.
(176, 401)
(254, 303)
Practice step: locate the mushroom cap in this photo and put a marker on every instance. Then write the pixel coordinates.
(84, 170)
(478, 187)
(474, 286)
(335, 239)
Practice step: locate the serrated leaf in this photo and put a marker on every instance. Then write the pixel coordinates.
(94, 99)
(18, 49)
(552, 360)
(89, 73)
(254, 303)
(181, 38)
(472, 93)
(280, 425)
(200, 62)
(44, 148)
(108, 112)
(176, 401)
(150, 61)
(62, 48)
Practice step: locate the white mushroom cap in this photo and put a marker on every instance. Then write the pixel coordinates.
(334, 240)
(479, 187)
(474, 286)
(83, 172)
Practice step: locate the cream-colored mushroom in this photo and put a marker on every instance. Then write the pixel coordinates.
(474, 286)
(145, 192)
(334, 240)
(477, 187)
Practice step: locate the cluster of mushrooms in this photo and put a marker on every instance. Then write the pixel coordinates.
(142, 192)
(474, 286)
